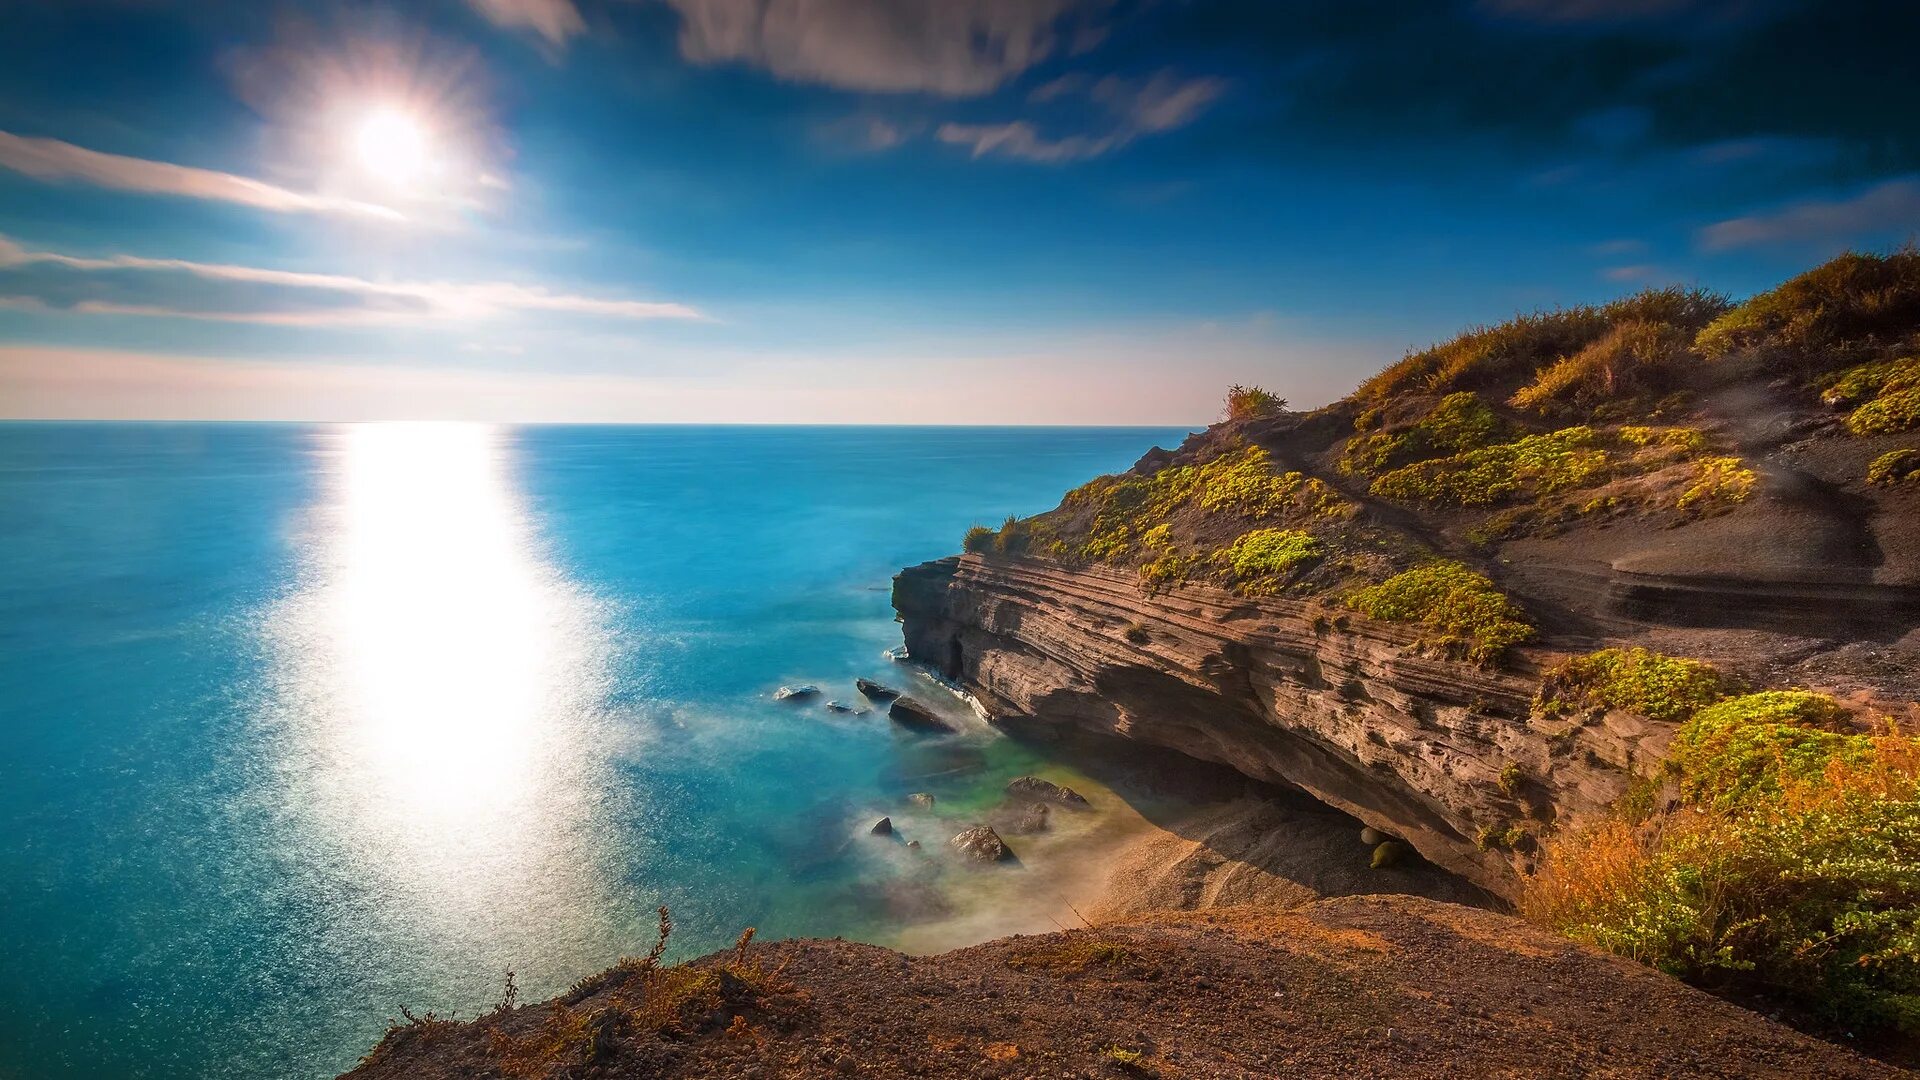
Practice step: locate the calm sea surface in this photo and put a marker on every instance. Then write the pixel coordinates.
(301, 724)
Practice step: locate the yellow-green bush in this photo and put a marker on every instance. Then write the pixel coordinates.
(1564, 460)
(1722, 480)
(1272, 552)
(1252, 402)
(1745, 747)
(1240, 482)
(1458, 422)
(1465, 612)
(978, 539)
(1894, 466)
(1637, 680)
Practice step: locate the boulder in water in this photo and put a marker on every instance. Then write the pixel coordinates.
(921, 799)
(982, 845)
(873, 691)
(839, 707)
(796, 694)
(1026, 820)
(909, 713)
(1034, 789)
(883, 827)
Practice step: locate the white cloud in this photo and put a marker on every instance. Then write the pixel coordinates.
(554, 20)
(51, 159)
(1887, 208)
(954, 48)
(1139, 107)
(180, 288)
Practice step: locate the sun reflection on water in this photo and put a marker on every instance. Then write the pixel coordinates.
(443, 683)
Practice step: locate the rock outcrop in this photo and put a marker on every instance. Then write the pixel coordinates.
(1344, 708)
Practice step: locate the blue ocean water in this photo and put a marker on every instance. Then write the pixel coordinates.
(300, 724)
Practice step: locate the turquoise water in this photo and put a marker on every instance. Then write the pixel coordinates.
(302, 724)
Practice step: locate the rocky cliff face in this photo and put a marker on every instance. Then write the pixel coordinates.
(1443, 754)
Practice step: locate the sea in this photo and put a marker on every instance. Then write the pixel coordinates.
(301, 725)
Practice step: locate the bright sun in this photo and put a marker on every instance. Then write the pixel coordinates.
(392, 146)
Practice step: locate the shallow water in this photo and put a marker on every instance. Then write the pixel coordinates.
(301, 724)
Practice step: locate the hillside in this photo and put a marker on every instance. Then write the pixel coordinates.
(1340, 988)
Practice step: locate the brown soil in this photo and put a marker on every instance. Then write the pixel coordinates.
(1370, 986)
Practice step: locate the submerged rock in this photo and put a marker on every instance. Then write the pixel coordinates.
(796, 693)
(1034, 789)
(1025, 820)
(909, 713)
(874, 691)
(981, 844)
(883, 827)
(839, 707)
(913, 845)
(921, 799)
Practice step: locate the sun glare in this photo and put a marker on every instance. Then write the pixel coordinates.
(393, 146)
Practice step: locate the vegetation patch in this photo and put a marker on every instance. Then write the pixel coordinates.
(1464, 611)
(1893, 467)
(1459, 422)
(1077, 952)
(1636, 361)
(1747, 747)
(1842, 309)
(1253, 403)
(1791, 866)
(1267, 553)
(1634, 680)
(1489, 355)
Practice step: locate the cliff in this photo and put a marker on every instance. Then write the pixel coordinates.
(1362, 602)
(1337, 988)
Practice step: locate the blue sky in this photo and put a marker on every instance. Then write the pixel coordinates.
(962, 211)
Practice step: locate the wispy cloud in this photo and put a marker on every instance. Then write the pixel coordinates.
(1137, 107)
(554, 20)
(1885, 208)
(180, 288)
(955, 48)
(51, 159)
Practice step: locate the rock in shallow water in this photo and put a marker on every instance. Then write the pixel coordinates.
(922, 799)
(909, 713)
(982, 845)
(1025, 820)
(839, 707)
(796, 693)
(883, 827)
(1034, 789)
(874, 691)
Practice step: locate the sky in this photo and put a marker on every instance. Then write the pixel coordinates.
(891, 211)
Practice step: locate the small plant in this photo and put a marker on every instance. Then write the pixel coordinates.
(1634, 680)
(1893, 467)
(1717, 480)
(1014, 538)
(1252, 403)
(1122, 1056)
(1499, 837)
(1136, 633)
(979, 539)
(1465, 610)
(1077, 952)
(1272, 552)
(1512, 778)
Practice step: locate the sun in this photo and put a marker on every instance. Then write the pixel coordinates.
(392, 146)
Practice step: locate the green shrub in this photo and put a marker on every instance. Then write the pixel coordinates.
(1835, 310)
(1014, 538)
(1723, 480)
(1252, 402)
(1812, 895)
(1894, 466)
(1892, 412)
(1746, 747)
(1463, 609)
(1458, 422)
(1563, 460)
(978, 539)
(1635, 680)
(1862, 383)
(1271, 552)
